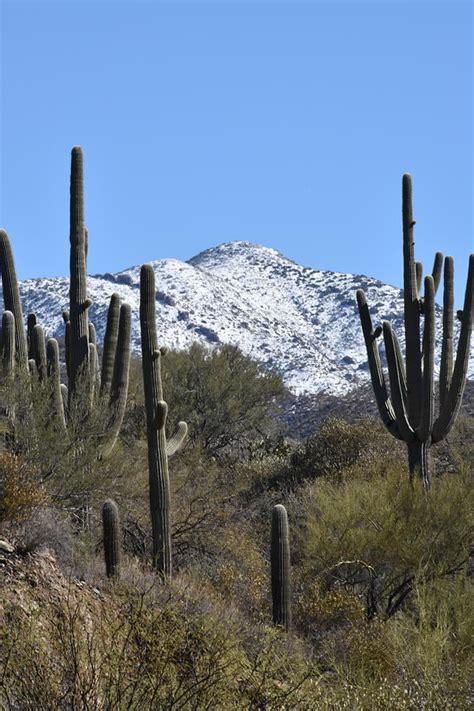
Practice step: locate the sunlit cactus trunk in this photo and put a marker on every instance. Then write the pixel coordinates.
(156, 414)
(78, 301)
(11, 299)
(112, 538)
(280, 567)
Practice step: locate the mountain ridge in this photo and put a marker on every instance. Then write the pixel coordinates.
(300, 321)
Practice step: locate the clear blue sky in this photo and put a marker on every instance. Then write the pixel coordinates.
(284, 123)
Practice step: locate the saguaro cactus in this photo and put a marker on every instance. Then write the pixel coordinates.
(112, 542)
(11, 298)
(409, 411)
(156, 413)
(8, 344)
(78, 301)
(280, 566)
(32, 356)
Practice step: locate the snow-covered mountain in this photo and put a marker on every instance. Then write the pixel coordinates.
(302, 322)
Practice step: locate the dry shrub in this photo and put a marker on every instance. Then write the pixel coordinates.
(21, 490)
(148, 650)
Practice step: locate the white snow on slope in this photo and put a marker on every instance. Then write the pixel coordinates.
(300, 321)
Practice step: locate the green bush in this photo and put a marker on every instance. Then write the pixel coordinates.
(382, 536)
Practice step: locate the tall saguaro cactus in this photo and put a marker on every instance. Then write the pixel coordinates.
(11, 298)
(78, 301)
(159, 449)
(280, 566)
(32, 357)
(408, 411)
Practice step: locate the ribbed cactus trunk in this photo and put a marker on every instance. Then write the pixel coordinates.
(280, 568)
(57, 414)
(112, 538)
(11, 299)
(409, 411)
(8, 344)
(156, 413)
(110, 343)
(78, 301)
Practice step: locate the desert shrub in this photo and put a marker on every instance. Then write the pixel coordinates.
(143, 650)
(48, 529)
(338, 445)
(383, 536)
(21, 489)
(226, 398)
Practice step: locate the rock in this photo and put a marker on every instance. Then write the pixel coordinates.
(6, 547)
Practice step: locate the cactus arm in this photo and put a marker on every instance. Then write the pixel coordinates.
(64, 395)
(437, 270)
(156, 410)
(78, 302)
(110, 343)
(67, 347)
(32, 368)
(419, 275)
(111, 532)
(449, 411)
(92, 334)
(54, 380)
(30, 324)
(376, 373)
(120, 380)
(39, 351)
(427, 404)
(412, 310)
(280, 567)
(174, 443)
(446, 367)
(94, 373)
(8, 338)
(396, 384)
(11, 298)
(401, 368)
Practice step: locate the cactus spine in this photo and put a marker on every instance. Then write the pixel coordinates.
(280, 568)
(156, 414)
(409, 411)
(112, 543)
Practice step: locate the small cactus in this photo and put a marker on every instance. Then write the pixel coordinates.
(112, 543)
(280, 568)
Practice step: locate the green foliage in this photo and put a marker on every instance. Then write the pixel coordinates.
(229, 401)
(382, 537)
(338, 445)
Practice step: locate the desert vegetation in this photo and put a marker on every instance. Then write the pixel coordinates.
(165, 545)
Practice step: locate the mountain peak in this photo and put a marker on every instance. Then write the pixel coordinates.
(236, 248)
